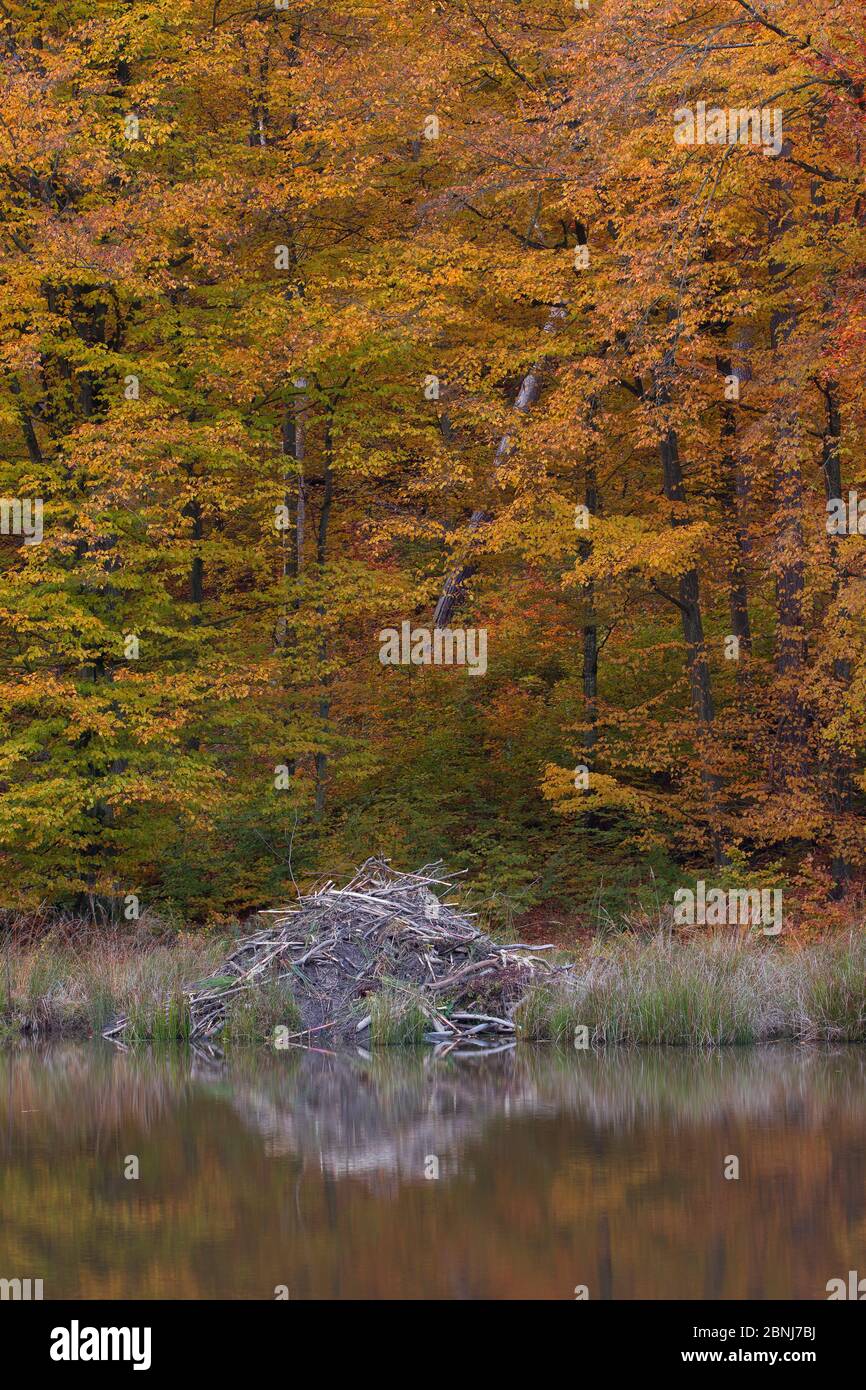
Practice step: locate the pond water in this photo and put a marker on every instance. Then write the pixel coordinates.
(319, 1173)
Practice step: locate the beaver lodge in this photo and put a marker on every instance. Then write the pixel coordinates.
(382, 959)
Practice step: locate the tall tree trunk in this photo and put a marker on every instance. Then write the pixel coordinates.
(321, 549)
(788, 555)
(196, 575)
(789, 567)
(454, 588)
(689, 604)
(33, 450)
(842, 769)
(293, 439)
(590, 627)
(689, 593)
(736, 487)
(293, 447)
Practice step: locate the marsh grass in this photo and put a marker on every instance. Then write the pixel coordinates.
(52, 985)
(159, 1021)
(828, 995)
(704, 993)
(628, 987)
(253, 1015)
(397, 1015)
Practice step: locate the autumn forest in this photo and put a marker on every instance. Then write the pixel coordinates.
(432, 429)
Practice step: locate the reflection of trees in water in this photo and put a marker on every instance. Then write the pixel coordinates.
(384, 1116)
(557, 1169)
(82, 1090)
(352, 1114)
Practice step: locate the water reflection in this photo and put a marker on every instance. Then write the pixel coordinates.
(554, 1169)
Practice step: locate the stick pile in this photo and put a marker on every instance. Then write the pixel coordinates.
(338, 946)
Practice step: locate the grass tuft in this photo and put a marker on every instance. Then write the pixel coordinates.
(253, 1015)
(397, 1015)
(159, 1021)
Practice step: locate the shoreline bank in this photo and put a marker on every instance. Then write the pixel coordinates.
(625, 988)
